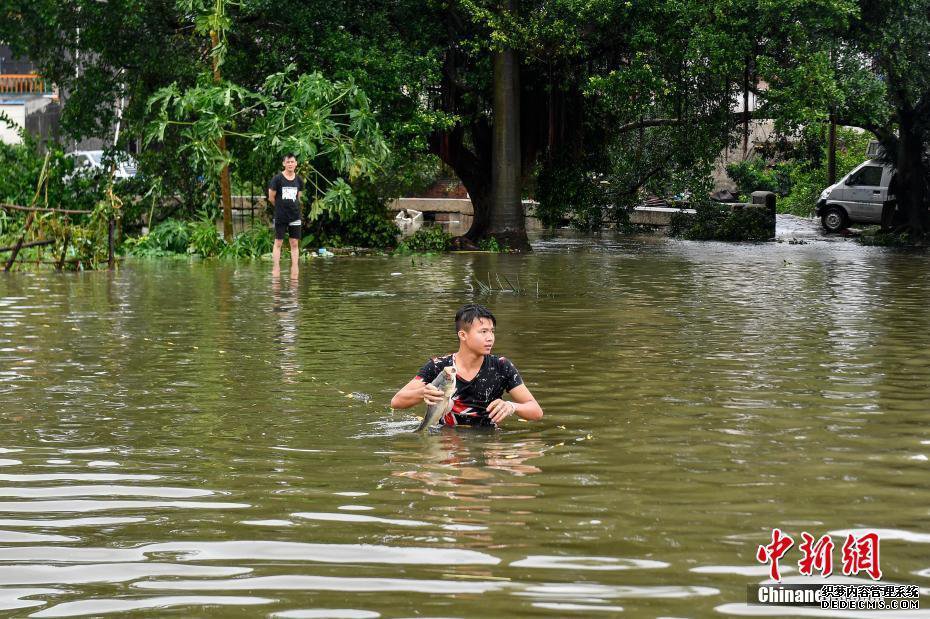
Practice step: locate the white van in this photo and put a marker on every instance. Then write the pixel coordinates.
(858, 197)
(92, 161)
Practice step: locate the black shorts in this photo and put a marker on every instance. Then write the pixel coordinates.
(293, 232)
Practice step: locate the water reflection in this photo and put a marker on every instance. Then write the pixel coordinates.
(286, 310)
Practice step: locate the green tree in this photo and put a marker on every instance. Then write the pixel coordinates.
(304, 114)
(108, 58)
(632, 94)
(100, 53)
(866, 61)
(635, 94)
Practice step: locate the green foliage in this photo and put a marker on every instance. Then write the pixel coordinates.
(7, 223)
(173, 237)
(205, 238)
(640, 94)
(31, 178)
(808, 179)
(716, 222)
(329, 125)
(876, 237)
(801, 176)
(866, 62)
(755, 174)
(170, 237)
(369, 225)
(252, 243)
(566, 191)
(21, 165)
(490, 244)
(429, 239)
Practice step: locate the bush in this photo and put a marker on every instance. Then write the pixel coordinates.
(369, 225)
(801, 178)
(252, 243)
(755, 175)
(21, 166)
(173, 237)
(567, 190)
(431, 239)
(490, 244)
(715, 222)
(169, 237)
(205, 238)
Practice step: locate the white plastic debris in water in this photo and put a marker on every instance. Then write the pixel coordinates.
(408, 221)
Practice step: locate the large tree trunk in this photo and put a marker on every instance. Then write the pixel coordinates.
(912, 175)
(507, 223)
(473, 167)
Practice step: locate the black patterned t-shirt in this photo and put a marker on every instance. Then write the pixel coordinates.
(286, 206)
(472, 397)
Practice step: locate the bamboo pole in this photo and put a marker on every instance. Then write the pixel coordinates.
(19, 244)
(25, 245)
(43, 180)
(39, 209)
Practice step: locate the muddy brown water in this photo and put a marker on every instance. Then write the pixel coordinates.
(180, 437)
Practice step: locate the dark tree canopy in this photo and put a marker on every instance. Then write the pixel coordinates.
(613, 98)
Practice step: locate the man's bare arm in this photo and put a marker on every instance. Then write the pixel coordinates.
(522, 404)
(413, 393)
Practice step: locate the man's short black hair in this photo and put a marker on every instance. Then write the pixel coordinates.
(288, 156)
(470, 313)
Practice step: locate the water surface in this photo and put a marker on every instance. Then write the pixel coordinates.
(181, 436)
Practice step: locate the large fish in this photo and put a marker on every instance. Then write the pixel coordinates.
(445, 382)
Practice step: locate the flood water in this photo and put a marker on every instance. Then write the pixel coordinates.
(182, 437)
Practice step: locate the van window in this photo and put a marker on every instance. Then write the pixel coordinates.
(870, 175)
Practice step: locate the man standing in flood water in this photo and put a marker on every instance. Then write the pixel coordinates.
(481, 378)
(284, 194)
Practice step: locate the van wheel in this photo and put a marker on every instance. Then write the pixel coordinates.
(834, 219)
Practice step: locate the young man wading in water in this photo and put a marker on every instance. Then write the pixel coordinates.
(481, 378)
(284, 194)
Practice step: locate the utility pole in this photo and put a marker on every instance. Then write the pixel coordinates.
(831, 150)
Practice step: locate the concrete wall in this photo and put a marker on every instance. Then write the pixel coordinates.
(17, 113)
(760, 131)
(43, 123)
(454, 214)
(38, 114)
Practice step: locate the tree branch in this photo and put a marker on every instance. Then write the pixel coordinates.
(649, 122)
(671, 122)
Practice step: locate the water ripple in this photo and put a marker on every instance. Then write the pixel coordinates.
(102, 490)
(104, 606)
(96, 506)
(329, 583)
(108, 572)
